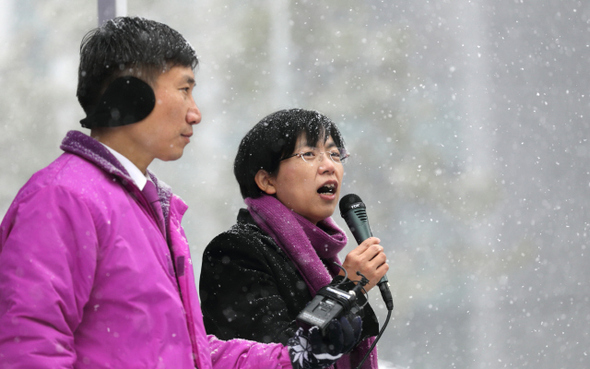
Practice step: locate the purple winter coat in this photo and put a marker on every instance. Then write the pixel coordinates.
(87, 278)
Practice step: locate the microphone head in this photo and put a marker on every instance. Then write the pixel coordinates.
(353, 210)
(350, 201)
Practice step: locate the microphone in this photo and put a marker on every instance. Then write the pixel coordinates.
(354, 212)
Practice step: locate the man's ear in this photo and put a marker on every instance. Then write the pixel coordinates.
(265, 182)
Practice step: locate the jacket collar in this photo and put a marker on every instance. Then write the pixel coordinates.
(90, 149)
(84, 146)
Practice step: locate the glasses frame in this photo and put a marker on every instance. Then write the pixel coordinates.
(343, 156)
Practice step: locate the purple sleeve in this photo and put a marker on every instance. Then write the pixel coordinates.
(244, 354)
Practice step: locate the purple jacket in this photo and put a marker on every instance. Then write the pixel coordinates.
(87, 280)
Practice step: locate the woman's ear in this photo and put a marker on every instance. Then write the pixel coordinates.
(265, 182)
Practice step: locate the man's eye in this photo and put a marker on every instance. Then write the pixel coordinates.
(308, 154)
(335, 154)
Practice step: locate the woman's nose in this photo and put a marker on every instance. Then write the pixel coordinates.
(326, 164)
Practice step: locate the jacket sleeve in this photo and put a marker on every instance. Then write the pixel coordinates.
(244, 354)
(239, 292)
(47, 267)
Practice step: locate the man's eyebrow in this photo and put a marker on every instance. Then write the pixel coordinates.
(189, 80)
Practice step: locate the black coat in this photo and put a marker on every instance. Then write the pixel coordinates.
(250, 289)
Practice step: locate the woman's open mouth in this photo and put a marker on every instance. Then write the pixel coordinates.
(327, 189)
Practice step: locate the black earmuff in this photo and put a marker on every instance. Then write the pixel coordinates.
(127, 100)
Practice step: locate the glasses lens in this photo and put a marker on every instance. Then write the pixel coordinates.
(308, 156)
(334, 155)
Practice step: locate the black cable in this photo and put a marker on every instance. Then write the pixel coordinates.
(376, 339)
(345, 274)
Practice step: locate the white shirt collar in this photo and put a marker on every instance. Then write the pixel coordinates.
(136, 174)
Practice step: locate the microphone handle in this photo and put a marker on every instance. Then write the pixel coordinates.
(360, 229)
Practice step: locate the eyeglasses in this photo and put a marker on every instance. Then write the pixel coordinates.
(337, 156)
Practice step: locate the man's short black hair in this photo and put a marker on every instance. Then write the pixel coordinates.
(128, 46)
(274, 138)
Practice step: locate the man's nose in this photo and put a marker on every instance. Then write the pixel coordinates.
(194, 115)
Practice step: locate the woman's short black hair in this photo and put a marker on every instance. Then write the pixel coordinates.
(126, 46)
(274, 138)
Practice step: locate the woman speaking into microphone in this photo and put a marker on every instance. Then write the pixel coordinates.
(257, 276)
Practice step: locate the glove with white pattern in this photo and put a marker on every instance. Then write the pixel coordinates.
(312, 349)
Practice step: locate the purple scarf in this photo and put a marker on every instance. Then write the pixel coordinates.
(313, 249)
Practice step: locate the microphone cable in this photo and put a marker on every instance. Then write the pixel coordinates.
(377, 338)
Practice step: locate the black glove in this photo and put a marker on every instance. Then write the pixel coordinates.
(311, 349)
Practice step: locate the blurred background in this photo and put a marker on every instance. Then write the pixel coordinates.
(468, 122)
